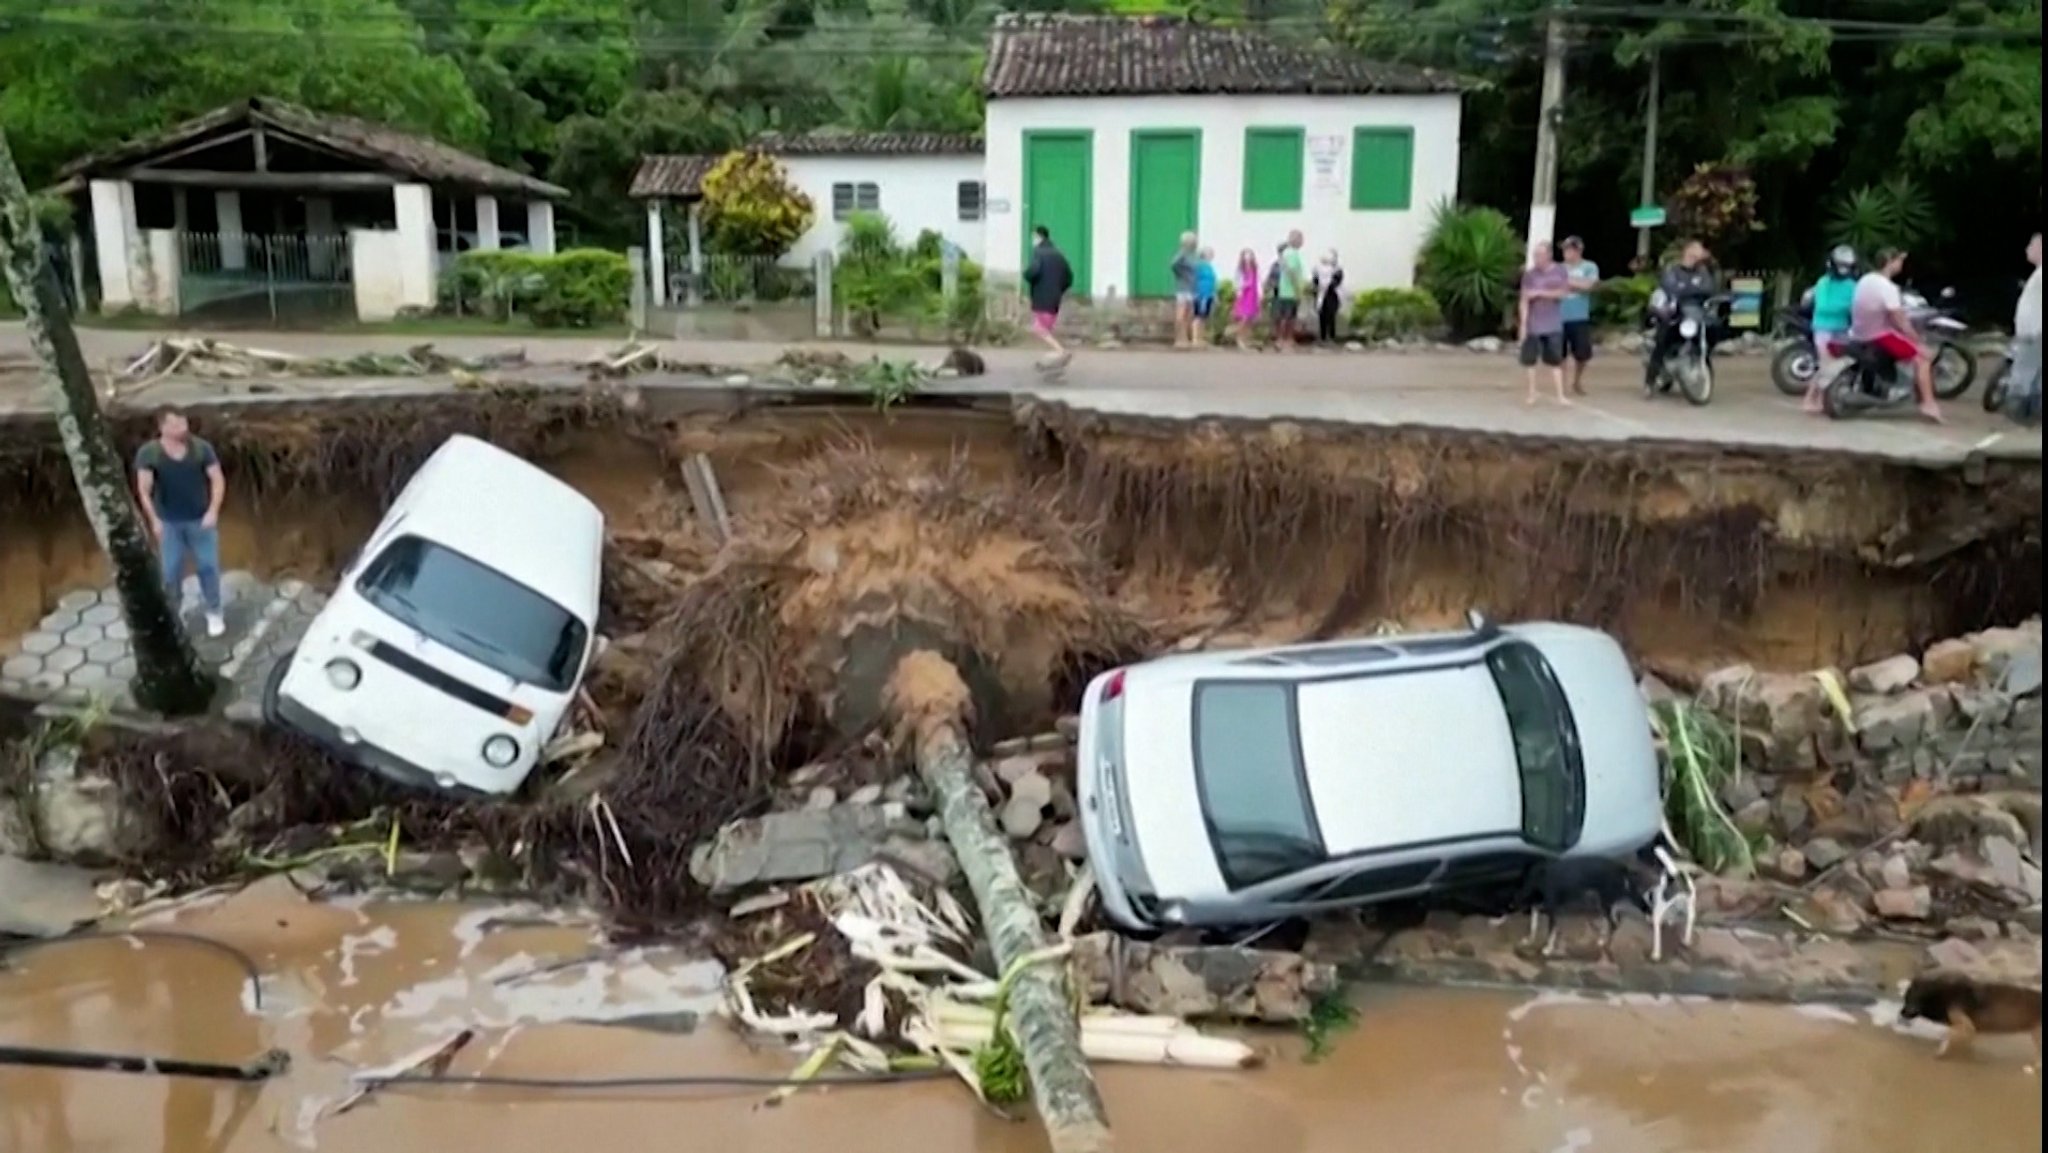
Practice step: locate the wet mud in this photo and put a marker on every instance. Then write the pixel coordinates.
(350, 988)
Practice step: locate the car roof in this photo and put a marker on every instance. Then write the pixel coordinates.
(507, 513)
(1421, 755)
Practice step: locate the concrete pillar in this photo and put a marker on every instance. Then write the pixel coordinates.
(157, 286)
(696, 252)
(636, 297)
(321, 245)
(234, 249)
(657, 262)
(181, 211)
(540, 227)
(414, 208)
(117, 244)
(487, 222)
(826, 317)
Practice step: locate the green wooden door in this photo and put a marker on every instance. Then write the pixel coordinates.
(1166, 181)
(1059, 193)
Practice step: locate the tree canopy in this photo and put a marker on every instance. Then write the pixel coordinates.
(1819, 101)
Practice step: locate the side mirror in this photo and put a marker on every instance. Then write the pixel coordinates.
(1480, 623)
(1948, 294)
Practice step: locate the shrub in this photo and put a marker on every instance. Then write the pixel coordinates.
(580, 288)
(1891, 214)
(1619, 303)
(1716, 204)
(878, 279)
(1394, 314)
(1468, 267)
(751, 208)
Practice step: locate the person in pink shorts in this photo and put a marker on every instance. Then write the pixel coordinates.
(1050, 278)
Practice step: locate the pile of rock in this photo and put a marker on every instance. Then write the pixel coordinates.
(1966, 713)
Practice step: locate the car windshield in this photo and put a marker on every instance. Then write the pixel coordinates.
(1253, 790)
(477, 611)
(1546, 746)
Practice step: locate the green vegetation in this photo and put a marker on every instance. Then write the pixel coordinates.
(1621, 301)
(1701, 755)
(1331, 1014)
(1803, 104)
(751, 209)
(882, 284)
(1468, 267)
(1394, 314)
(580, 288)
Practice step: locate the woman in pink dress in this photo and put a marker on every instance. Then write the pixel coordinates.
(1245, 312)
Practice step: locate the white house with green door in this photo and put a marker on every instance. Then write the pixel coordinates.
(1118, 134)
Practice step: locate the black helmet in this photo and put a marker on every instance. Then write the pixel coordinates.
(1842, 261)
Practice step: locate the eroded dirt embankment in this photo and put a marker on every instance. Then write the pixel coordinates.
(1031, 549)
(1272, 530)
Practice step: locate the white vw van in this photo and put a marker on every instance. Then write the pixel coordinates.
(455, 640)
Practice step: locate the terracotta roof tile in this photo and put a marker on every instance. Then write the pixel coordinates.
(1069, 55)
(681, 177)
(401, 153)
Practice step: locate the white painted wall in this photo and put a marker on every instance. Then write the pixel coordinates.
(413, 210)
(917, 193)
(117, 244)
(376, 272)
(1378, 249)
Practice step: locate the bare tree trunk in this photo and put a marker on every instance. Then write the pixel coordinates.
(1041, 1008)
(168, 676)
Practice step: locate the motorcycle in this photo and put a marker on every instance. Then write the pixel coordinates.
(1700, 324)
(1798, 361)
(1871, 380)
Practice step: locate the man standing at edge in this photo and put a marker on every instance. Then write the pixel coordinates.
(1049, 277)
(2024, 402)
(179, 479)
(1293, 285)
(1540, 324)
(1577, 310)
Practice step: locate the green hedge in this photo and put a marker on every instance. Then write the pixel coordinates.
(1619, 303)
(1395, 314)
(580, 288)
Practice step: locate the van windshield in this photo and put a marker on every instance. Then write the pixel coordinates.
(477, 611)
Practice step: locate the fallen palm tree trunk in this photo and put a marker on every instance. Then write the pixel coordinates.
(1116, 1038)
(927, 697)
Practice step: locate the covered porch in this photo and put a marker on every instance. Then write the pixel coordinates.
(263, 205)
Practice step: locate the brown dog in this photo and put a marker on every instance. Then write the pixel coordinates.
(1971, 1007)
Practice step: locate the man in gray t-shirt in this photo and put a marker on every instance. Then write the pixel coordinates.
(1545, 284)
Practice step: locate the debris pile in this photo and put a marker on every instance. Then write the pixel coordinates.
(218, 360)
(878, 973)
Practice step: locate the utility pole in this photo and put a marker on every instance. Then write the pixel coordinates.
(1543, 202)
(168, 676)
(1647, 195)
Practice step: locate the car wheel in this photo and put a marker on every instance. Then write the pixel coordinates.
(273, 682)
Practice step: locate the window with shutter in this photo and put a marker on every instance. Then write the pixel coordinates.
(1382, 169)
(1273, 159)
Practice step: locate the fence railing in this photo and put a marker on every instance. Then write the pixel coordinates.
(254, 276)
(730, 280)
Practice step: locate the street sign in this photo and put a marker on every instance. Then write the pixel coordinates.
(1746, 302)
(1648, 216)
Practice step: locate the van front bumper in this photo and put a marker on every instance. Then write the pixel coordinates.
(362, 754)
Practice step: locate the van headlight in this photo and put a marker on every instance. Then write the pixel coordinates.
(344, 674)
(500, 752)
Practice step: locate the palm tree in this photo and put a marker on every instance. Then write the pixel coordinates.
(168, 676)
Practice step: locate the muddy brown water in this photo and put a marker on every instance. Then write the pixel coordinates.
(45, 555)
(355, 987)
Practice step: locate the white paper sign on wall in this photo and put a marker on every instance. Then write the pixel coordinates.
(1325, 154)
(997, 206)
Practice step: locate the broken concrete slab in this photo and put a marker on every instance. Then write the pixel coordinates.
(39, 899)
(1193, 982)
(790, 847)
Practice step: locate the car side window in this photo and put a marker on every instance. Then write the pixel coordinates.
(1368, 883)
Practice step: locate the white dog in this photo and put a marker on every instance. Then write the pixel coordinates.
(1675, 887)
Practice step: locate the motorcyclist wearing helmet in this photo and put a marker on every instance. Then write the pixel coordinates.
(1830, 298)
(1689, 279)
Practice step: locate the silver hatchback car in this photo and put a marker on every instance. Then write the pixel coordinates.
(1225, 788)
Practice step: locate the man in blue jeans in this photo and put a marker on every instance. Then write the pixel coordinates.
(179, 479)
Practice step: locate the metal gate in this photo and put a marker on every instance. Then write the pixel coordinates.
(285, 279)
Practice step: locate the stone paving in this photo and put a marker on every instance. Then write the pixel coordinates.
(79, 653)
